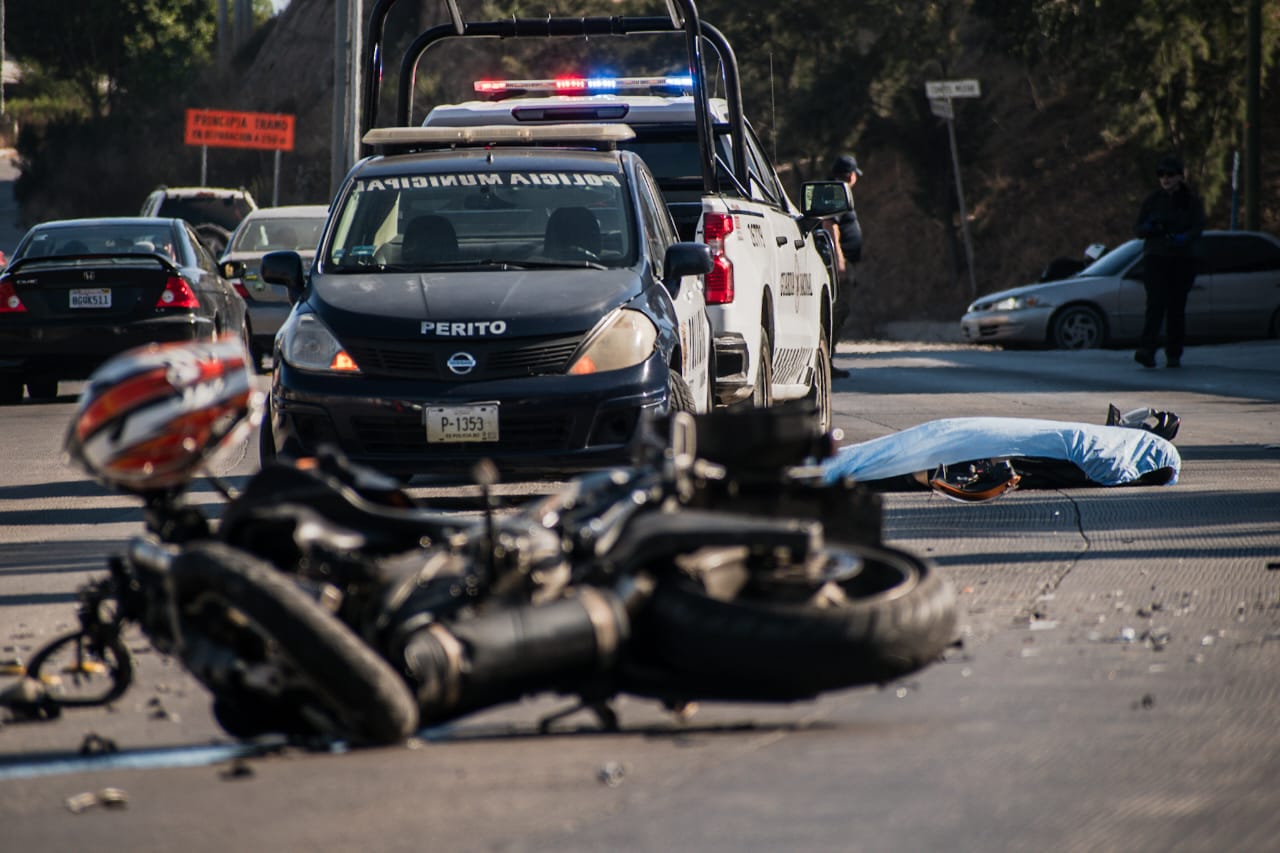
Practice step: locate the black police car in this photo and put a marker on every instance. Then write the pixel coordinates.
(517, 294)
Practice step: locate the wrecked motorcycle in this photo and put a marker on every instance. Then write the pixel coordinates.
(326, 601)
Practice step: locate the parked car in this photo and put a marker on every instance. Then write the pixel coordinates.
(268, 229)
(78, 291)
(214, 212)
(487, 294)
(1236, 295)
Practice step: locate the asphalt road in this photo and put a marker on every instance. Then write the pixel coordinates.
(1116, 685)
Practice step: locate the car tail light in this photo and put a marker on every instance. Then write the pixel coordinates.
(177, 294)
(718, 282)
(9, 301)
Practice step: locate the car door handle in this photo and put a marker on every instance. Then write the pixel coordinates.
(799, 243)
(782, 240)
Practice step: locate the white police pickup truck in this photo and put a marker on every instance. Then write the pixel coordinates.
(770, 294)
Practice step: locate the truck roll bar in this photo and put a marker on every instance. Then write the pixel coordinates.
(682, 16)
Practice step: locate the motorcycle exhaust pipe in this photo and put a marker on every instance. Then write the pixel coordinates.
(502, 655)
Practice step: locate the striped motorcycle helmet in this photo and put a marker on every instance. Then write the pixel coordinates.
(150, 417)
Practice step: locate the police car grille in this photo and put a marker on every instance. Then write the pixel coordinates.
(494, 359)
(407, 434)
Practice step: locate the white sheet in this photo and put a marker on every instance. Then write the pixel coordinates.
(1108, 455)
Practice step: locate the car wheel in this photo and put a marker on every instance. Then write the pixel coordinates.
(820, 391)
(42, 389)
(266, 438)
(1078, 327)
(681, 396)
(762, 397)
(255, 356)
(10, 390)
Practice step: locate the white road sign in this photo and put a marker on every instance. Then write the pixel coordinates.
(941, 107)
(952, 89)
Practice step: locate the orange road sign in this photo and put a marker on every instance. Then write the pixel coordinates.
(226, 129)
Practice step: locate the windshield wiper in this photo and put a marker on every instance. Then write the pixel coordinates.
(493, 263)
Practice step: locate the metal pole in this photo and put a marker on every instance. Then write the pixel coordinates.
(1252, 146)
(355, 29)
(964, 217)
(275, 183)
(341, 62)
(204, 165)
(1235, 190)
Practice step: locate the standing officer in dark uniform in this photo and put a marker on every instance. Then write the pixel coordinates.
(1170, 222)
(846, 233)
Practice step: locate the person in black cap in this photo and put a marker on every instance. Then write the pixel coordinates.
(846, 234)
(1170, 223)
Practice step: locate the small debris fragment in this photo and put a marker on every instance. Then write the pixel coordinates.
(80, 802)
(1145, 703)
(113, 798)
(96, 744)
(1128, 635)
(237, 769)
(611, 774)
(13, 666)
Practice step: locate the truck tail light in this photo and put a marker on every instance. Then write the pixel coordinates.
(9, 301)
(177, 294)
(718, 282)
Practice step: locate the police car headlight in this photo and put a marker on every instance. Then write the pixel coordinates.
(623, 339)
(308, 344)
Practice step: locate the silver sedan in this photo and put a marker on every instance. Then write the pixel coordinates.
(1236, 295)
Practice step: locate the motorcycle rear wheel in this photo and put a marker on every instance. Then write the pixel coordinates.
(234, 602)
(897, 615)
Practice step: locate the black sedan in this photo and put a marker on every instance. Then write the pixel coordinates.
(78, 291)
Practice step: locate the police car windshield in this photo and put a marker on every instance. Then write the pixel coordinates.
(521, 219)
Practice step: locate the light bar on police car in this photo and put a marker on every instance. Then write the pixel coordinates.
(498, 134)
(576, 85)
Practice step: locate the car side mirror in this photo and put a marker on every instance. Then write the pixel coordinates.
(284, 267)
(232, 269)
(684, 259)
(823, 200)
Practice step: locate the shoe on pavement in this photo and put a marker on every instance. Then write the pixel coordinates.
(1145, 357)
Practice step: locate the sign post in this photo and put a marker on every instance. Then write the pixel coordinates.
(227, 129)
(940, 93)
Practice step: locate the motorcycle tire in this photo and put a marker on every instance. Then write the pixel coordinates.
(897, 615)
(349, 686)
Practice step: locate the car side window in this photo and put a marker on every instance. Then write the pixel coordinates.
(762, 174)
(204, 260)
(1241, 253)
(658, 230)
